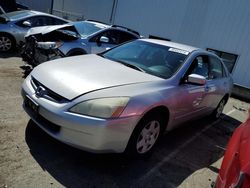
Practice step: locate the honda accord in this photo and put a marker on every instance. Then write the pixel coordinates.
(122, 100)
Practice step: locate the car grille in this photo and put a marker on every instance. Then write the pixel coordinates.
(49, 94)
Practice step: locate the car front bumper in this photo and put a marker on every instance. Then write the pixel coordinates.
(87, 133)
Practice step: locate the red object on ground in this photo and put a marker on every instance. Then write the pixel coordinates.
(235, 168)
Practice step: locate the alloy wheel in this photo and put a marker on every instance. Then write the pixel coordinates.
(220, 109)
(5, 43)
(148, 137)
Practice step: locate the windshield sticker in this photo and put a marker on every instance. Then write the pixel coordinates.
(178, 51)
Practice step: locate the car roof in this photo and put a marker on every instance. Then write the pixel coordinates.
(173, 45)
(117, 27)
(17, 15)
(97, 23)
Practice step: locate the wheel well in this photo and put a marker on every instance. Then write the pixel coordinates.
(226, 97)
(76, 51)
(163, 111)
(160, 110)
(10, 35)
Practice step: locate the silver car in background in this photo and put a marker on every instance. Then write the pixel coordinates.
(123, 100)
(77, 38)
(15, 25)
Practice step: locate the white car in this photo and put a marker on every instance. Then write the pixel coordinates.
(77, 38)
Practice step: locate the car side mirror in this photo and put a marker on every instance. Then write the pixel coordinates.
(104, 39)
(196, 79)
(26, 24)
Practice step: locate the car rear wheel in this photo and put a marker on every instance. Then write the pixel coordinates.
(74, 53)
(7, 43)
(145, 136)
(218, 111)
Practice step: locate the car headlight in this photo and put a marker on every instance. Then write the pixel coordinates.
(103, 107)
(49, 45)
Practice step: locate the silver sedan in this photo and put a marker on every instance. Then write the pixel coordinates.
(15, 25)
(122, 100)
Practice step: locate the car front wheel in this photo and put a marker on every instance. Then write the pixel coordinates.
(218, 111)
(145, 136)
(6, 43)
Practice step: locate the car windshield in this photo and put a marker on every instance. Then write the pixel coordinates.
(87, 28)
(154, 59)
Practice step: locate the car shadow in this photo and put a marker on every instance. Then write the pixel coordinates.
(26, 69)
(180, 153)
(6, 55)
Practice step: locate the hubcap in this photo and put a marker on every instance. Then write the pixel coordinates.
(5, 43)
(148, 137)
(220, 109)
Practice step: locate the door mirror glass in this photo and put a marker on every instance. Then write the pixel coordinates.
(104, 39)
(27, 24)
(196, 79)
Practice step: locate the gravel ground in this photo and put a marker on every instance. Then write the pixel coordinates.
(187, 157)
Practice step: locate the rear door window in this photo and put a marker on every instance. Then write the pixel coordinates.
(216, 68)
(37, 21)
(124, 37)
(55, 21)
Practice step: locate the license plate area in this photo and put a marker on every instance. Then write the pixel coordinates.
(31, 105)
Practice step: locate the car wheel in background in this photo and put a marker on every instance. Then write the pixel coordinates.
(145, 136)
(7, 42)
(74, 53)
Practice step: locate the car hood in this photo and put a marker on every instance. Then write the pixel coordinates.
(47, 29)
(74, 76)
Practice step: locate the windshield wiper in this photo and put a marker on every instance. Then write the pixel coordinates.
(122, 62)
(131, 65)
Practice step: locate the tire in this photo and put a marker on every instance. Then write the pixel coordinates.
(76, 53)
(145, 136)
(7, 42)
(218, 111)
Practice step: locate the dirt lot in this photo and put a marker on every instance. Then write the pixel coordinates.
(187, 157)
